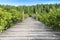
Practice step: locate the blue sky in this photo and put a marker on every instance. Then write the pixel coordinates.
(28, 2)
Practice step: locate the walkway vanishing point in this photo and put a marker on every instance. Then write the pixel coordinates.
(29, 29)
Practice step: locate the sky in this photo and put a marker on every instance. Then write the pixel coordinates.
(27, 2)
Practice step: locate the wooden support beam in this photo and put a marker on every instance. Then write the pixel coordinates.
(23, 15)
(36, 16)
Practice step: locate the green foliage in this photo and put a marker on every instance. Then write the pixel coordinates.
(51, 19)
(9, 16)
(49, 14)
(25, 16)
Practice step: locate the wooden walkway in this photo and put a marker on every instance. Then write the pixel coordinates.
(29, 29)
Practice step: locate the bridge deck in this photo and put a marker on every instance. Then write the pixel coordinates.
(29, 29)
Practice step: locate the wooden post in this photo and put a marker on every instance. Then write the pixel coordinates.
(36, 16)
(23, 15)
(37, 12)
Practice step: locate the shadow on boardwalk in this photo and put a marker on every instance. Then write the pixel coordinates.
(29, 29)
